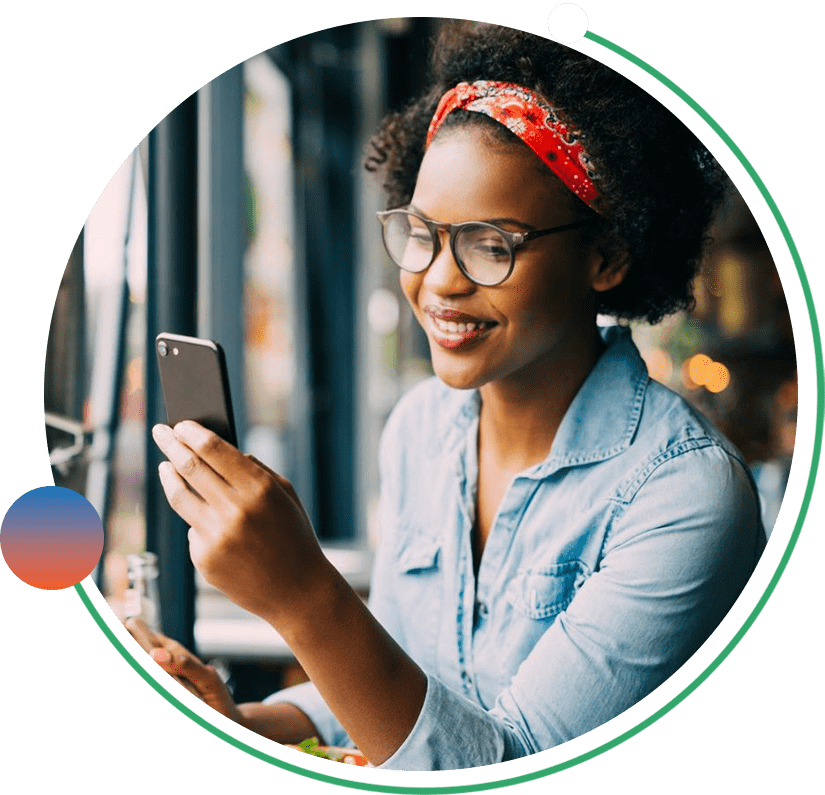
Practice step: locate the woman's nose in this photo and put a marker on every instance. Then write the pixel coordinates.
(443, 276)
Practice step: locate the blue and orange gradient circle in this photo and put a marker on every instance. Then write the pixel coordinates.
(51, 538)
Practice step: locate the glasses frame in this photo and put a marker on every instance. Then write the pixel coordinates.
(514, 239)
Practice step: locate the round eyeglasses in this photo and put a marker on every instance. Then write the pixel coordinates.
(484, 252)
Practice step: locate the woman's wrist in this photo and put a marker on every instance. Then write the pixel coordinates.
(324, 591)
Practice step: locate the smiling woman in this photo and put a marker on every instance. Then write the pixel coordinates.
(558, 532)
(545, 308)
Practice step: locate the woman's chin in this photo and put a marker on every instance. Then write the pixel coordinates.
(459, 378)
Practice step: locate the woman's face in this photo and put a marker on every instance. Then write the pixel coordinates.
(544, 312)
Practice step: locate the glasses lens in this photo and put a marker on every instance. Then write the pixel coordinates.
(408, 241)
(484, 252)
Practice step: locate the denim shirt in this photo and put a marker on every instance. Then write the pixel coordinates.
(606, 567)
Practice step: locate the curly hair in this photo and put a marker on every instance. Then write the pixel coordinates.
(658, 185)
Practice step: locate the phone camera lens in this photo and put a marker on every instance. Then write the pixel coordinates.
(163, 348)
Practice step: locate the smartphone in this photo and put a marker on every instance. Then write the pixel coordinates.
(195, 384)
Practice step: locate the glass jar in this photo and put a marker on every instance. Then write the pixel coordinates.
(143, 598)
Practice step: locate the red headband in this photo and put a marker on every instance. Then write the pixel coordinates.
(533, 120)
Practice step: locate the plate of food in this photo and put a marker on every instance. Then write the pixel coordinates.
(347, 756)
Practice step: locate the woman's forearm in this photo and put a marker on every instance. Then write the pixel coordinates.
(374, 689)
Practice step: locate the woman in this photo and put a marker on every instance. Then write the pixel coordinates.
(558, 533)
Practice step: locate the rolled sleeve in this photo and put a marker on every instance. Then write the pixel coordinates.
(453, 732)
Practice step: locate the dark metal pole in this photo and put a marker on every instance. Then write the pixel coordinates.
(221, 227)
(326, 114)
(170, 306)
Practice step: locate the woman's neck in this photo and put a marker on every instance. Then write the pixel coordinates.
(521, 414)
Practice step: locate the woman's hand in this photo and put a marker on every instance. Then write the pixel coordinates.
(199, 679)
(282, 722)
(250, 537)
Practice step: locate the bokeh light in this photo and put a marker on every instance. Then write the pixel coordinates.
(717, 377)
(701, 370)
(698, 368)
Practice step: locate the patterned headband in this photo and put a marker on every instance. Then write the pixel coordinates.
(533, 120)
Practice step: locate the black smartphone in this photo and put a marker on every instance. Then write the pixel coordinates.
(195, 384)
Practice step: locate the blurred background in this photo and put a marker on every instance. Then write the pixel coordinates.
(246, 217)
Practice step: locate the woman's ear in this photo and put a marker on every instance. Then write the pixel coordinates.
(612, 268)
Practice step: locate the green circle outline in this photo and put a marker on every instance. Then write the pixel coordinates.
(483, 786)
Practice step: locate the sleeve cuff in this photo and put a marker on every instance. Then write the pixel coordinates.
(451, 732)
(307, 698)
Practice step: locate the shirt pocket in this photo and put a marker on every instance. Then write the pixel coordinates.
(533, 599)
(419, 554)
(543, 593)
(419, 595)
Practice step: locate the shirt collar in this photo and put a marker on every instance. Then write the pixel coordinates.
(602, 419)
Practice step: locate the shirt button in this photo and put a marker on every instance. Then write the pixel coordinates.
(482, 609)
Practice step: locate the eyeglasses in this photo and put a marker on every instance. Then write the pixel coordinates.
(484, 252)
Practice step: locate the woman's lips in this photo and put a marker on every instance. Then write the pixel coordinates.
(453, 329)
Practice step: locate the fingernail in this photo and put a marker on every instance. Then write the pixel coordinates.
(161, 656)
(161, 433)
(183, 429)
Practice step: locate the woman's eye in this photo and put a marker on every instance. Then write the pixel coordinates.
(420, 238)
(491, 249)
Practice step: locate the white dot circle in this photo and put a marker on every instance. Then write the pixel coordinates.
(567, 23)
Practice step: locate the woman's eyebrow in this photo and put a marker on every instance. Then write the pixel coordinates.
(495, 221)
(511, 221)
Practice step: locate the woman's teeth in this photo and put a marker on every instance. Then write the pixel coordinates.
(451, 327)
